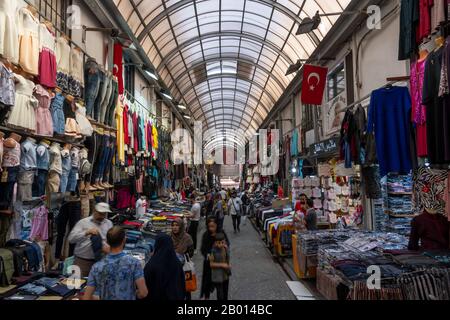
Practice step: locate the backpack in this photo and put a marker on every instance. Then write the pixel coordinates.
(6, 267)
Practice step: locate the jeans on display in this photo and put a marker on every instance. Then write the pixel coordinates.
(92, 85)
(72, 183)
(57, 111)
(92, 144)
(106, 99)
(98, 99)
(99, 162)
(8, 187)
(70, 212)
(108, 160)
(112, 104)
(39, 183)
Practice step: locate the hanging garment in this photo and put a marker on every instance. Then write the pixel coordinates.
(409, 20)
(418, 109)
(118, 66)
(9, 35)
(28, 41)
(86, 128)
(120, 133)
(63, 63)
(7, 87)
(44, 122)
(47, 57)
(428, 189)
(437, 115)
(389, 117)
(76, 72)
(23, 113)
(39, 225)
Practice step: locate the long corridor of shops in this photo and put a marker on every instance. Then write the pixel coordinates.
(256, 276)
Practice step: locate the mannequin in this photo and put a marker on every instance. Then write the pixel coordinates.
(43, 164)
(429, 231)
(55, 168)
(66, 167)
(11, 165)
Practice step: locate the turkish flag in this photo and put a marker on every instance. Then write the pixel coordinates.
(313, 86)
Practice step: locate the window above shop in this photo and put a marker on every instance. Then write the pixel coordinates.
(336, 82)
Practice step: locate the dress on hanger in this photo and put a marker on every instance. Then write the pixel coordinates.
(44, 122)
(47, 57)
(63, 63)
(23, 113)
(76, 77)
(418, 109)
(29, 41)
(9, 36)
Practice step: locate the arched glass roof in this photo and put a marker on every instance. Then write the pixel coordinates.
(226, 59)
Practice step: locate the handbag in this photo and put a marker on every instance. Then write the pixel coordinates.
(190, 275)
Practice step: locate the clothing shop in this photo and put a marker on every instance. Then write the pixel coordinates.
(72, 135)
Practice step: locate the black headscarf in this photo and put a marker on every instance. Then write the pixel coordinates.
(164, 274)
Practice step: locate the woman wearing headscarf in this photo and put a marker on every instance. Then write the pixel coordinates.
(182, 241)
(164, 275)
(208, 240)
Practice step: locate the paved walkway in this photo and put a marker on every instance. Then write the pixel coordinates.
(255, 274)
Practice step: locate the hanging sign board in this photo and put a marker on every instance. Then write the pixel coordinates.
(324, 147)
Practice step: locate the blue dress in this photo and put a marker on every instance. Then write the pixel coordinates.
(389, 116)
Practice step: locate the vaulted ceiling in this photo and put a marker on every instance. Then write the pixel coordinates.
(226, 59)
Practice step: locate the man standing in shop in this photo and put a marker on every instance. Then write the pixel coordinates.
(119, 276)
(194, 218)
(89, 237)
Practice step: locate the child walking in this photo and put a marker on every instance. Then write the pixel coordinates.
(219, 260)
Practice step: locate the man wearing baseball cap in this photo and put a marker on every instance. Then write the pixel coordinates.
(90, 233)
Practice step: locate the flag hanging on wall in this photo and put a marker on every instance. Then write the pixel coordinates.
(314, 81)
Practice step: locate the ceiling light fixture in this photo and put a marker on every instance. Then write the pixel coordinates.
(310, 24)
(186, 116)
(166, 94)
(150, 72)
(182, 107)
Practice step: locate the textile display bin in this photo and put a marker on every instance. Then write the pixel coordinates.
(307, 264)
(327, 284)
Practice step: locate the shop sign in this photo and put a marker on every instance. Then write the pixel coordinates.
(323, 147)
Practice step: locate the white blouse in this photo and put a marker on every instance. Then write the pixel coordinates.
(47, 39)
(76, 65)
(63, 55)
(9, 35)
(28, 24)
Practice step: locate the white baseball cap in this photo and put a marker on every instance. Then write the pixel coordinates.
(103, 207)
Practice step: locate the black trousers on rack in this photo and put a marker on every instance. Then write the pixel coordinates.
(70, 213)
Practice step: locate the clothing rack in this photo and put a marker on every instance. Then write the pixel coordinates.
(41, 15)
(391, 81)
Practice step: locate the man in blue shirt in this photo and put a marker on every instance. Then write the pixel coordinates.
(118, 276)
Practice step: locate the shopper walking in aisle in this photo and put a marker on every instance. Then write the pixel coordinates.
(219, 212)
(194, 219)
(182, 241)
(208, 240)
(118, 276)
(245, 203)
(89, 237)
(219, 260)
(235, 210)
(164, 275)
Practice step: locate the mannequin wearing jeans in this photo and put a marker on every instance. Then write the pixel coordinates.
(10, 169)
(43, 164)
(66, 167)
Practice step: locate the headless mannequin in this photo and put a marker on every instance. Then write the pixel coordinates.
(7, 180)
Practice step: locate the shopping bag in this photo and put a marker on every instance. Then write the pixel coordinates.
(190, 275)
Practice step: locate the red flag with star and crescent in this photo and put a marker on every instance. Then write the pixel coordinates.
(314, 81)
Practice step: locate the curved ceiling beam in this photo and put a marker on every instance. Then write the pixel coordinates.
(232, 76)
(155, 21)
(219, 34)
(229, 57)
(224, 107)
(232, 90)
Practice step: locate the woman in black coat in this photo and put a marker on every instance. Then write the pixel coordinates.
(208, 240)
(164, 275)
